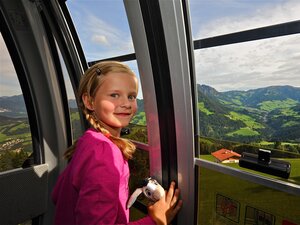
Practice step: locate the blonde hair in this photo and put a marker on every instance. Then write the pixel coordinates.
(89, 84)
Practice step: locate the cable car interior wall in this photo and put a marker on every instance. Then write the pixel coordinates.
(219, 109)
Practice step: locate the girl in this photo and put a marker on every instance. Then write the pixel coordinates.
(93, 189)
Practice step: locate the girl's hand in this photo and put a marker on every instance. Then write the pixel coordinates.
(164, 210)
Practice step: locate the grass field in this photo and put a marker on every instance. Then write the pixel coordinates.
(202, 108)
(248, 120)
(244, 131)
(277, 104)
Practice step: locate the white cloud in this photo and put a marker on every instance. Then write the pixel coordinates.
(102, 39)
(249, 65)
(263, 15)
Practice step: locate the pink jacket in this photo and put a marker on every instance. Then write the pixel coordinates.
(93, 189)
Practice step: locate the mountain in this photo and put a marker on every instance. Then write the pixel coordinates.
(253, 98)
(13, 106)
(271, 113)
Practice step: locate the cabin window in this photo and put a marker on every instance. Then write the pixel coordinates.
(15, 134)
(107, 35)
(248, 87)
(248, 92)
(249, 99)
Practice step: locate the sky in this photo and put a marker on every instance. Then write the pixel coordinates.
(104, 32)
(246, 65)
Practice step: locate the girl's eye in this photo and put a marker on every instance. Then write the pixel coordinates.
(131, 97)
(114, 95)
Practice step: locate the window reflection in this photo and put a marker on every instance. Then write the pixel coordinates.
(226, 199)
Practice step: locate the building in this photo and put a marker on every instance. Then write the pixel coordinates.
(226, 156)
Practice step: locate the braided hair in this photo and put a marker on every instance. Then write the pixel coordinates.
(89, 84)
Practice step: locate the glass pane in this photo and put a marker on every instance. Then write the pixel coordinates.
(227, 200)
(138, 126)
(15, 134)
(249, 99)
(73, 107)
(215, 17)
(105, 33)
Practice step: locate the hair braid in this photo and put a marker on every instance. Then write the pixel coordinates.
(127, 147)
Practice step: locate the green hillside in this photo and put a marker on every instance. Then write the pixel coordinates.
(271, 113)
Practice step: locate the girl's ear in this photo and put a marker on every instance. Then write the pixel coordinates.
(87, 101)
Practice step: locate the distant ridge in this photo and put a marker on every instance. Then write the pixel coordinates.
(269, 113)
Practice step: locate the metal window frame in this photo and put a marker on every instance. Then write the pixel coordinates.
(163, 50)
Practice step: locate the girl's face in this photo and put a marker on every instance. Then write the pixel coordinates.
(115, 101)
